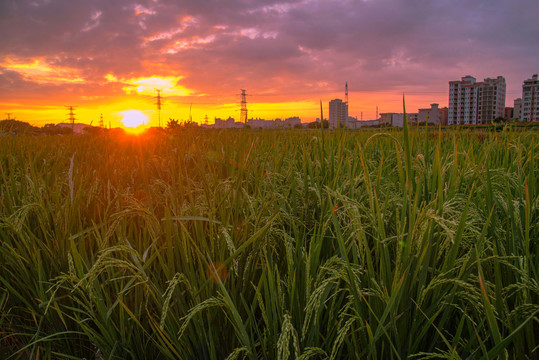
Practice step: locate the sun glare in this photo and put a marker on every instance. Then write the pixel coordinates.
(134, 120)
(146, 86)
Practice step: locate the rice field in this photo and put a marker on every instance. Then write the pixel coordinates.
(414, 244)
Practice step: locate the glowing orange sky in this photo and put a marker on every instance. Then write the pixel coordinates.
(119, 94)
(109, 57)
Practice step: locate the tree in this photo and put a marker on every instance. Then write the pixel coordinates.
(316, 125)
(17, 127)
(172, 124)
(94, 130)
(52, 129)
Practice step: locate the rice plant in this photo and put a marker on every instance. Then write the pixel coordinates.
(413, 244)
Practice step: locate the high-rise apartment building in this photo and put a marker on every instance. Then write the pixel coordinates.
(491, 100)
(338, 113)
(472, 102)
(463, 101)
(530, 99)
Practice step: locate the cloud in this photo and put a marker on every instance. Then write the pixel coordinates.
(289, 50)
(169, 86)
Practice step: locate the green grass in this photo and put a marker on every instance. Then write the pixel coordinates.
(414, 244)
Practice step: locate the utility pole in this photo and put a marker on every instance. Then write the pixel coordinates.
(243, 116)
(158, 103)
(72, 117)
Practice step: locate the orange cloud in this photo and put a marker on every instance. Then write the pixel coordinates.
(148, 85)
(38, 70)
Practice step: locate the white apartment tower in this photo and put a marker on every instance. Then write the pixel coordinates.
(338, 113)
(530, 99)
(472, 102)
(463, 96)
(491, 100)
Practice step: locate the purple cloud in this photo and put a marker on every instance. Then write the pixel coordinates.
(296, 49)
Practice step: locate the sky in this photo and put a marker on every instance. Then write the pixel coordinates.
(109, 56)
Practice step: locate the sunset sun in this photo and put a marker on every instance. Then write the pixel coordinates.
(133, 119)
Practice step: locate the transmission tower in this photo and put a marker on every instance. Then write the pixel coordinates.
(72, 117)
(376, 112)
(9, 115)
(206, 120)
(158, 103)
(101, 124)
(243, 116)
(346, 93)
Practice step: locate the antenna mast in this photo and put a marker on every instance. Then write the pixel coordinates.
(346, 93)
(243, 116)
(158, 103)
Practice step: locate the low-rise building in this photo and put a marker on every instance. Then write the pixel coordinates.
(432, 115)
(229, 123)
(260, 123)
(443, 115)
(517, 108)
(292, 121)
(508, 115)
(397, 119)
(368, 123)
